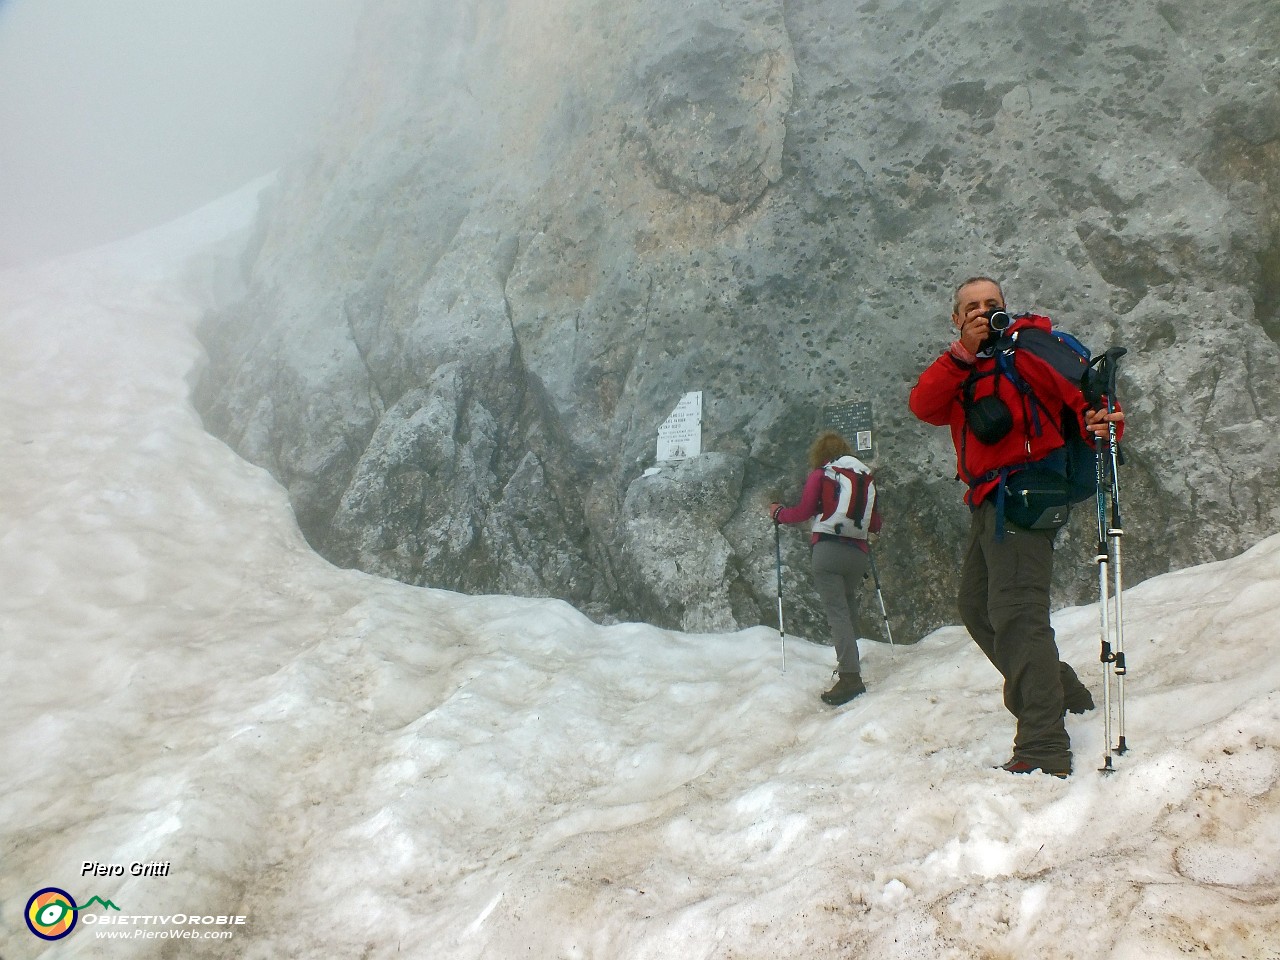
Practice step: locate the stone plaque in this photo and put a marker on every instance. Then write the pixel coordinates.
(680, 435)
(851, 420)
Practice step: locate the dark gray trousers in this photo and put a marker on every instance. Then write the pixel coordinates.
(1004, 604)
(838, 569)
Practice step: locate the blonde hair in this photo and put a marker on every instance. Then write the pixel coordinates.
(828, 446)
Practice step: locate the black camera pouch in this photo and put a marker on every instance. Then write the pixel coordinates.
(1037, 499)
(989, 419)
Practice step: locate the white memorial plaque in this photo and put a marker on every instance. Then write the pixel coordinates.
(680, 435)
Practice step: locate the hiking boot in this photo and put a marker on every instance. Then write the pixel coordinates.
(1015, 765)
(848, 686)
(1078, 701)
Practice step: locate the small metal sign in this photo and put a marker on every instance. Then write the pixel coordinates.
(852, 421)
(680, 435)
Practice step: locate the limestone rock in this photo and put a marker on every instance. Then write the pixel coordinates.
(531, 228)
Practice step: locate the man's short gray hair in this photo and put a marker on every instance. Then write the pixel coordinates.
(955, 298)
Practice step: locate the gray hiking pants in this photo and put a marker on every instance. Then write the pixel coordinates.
(838, 569)
(1004, 603)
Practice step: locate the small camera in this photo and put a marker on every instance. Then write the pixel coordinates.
(998, 321)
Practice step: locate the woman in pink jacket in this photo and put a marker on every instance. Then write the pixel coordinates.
(839, 497)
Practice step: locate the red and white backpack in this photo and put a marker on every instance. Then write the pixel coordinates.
(848, 499)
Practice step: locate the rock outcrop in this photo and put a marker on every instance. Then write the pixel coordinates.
(532, 227)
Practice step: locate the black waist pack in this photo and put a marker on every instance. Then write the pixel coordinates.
(1037, 499)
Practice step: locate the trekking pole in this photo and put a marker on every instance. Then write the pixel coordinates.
(1101, 555)
(782, 635)
(1115, 533)
(875, 575)
(1102, 385)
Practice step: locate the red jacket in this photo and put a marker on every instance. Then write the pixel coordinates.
(937, 399)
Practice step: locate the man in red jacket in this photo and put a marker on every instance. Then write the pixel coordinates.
(1005, 578)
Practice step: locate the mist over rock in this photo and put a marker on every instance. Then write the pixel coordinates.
(532, 227)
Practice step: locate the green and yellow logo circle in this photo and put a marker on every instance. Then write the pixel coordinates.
(51, 913)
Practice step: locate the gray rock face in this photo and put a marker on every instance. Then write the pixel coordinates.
(531, 230)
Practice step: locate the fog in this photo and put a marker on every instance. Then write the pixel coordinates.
(116, 115)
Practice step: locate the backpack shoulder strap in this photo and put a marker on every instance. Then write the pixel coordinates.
(862, 484)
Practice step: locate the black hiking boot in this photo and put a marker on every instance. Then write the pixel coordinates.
(1016, 765)
(848, 686)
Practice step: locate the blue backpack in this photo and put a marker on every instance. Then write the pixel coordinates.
(1038, 495)
(1069, 358)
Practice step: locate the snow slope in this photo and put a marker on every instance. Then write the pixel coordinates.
(361, 768)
